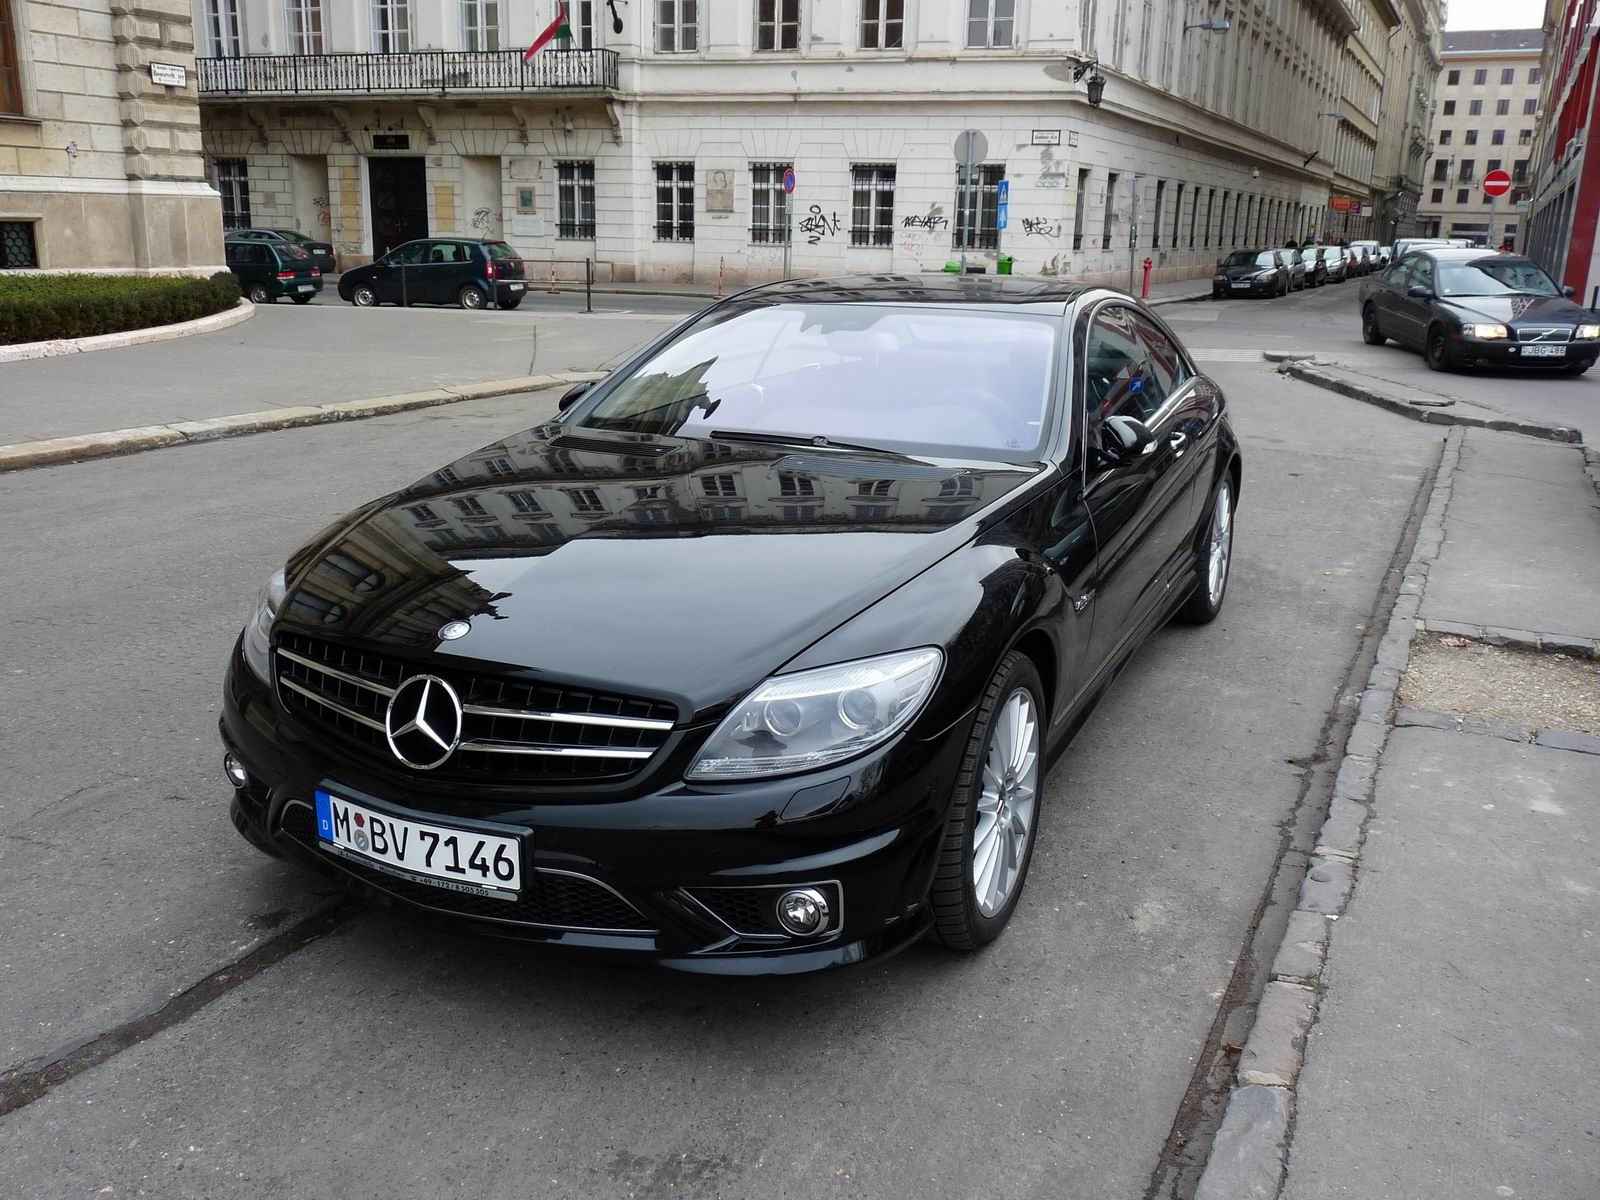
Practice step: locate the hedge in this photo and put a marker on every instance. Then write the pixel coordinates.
(36, 308)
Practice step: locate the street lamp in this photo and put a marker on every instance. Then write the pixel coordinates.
(1096, 86)
(1210, 26)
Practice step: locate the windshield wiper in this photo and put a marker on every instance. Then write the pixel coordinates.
(795, 439)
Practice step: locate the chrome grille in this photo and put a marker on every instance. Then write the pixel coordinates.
(1548, 334)
(512, 730)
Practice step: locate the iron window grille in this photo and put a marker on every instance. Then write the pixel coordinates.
(882, 24)
(391, 26)
(480, 24)
(677, 26)
(989, 23)
(17, 247)
(233, 183)
(777, 24)
(675, 202)
(767, 223)
(978, 208)
(305, 26)
(575, 199)
(872, 205)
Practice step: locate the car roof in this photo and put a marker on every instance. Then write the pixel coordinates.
(1456, 254)
(921, 289)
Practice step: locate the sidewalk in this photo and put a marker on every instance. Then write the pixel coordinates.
(1431, 1029)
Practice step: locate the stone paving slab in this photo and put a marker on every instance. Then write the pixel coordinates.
(1454, 1050)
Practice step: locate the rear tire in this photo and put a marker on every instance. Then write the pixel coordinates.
(259, 295)
(302, 299)
(994, 817)
(1370, 333)
(1436, 349)
(508, 304)
(1216, 557)
(1576, 368)
(471, 297)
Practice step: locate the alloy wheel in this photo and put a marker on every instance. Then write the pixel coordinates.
(1007, 804)
(1219, 546)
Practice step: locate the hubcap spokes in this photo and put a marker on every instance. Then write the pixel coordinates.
(1007, 804)
(1221, 546)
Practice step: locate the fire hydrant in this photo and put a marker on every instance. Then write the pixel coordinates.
(1144, 289)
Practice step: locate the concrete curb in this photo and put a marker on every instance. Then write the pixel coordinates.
(1251, 1152)
(1576, 646)
(57, 451)
(1158, 301)
(241, 311)
(1319, 377)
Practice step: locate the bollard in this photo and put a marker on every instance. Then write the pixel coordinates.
(588, 285)
(722, 273)
(1144, 289)
(553, 288)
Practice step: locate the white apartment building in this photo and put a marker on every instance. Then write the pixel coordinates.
(1486, 120)
(659, 151)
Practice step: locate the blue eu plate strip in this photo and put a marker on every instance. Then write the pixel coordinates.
(324, 816)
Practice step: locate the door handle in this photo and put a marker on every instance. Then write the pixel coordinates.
(1179, 441)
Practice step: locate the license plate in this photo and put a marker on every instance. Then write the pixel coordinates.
(306, 287)
(1239, 285)
(516, 287)
(460, 860)
(1544, 352)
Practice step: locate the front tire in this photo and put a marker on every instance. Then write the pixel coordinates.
(1216, 550)
(1370, 333)
(988, 843)
(471, 297)
(1437, 349)
(364, 297)
(1576, 368)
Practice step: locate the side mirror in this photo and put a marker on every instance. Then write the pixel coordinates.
(1419, 292)
(1569, 291)
(1126, 439)
(572, 395)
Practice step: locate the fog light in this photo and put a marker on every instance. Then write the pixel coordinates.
(803, 911)
(234, 770)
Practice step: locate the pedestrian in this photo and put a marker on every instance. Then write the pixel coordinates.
(1505, 246)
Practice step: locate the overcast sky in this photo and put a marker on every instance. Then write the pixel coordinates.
(1495, 14)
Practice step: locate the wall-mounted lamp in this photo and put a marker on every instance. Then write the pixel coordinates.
(1097, 89)
(616, 17)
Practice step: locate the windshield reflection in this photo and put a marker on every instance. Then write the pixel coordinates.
(1495, 277)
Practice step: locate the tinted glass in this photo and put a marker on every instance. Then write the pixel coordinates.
(501, 250)
(1240, 258)
(1266, 259)
(1495, 277)
(1167, 367)
(290, 254)
(918, 379)
(290, 235)
(1117, 369)
(1421, 273)
(411, 252)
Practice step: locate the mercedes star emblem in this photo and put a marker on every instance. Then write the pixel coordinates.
(451, 630)
(423, 722)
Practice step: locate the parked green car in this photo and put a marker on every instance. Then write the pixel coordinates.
(268, 270)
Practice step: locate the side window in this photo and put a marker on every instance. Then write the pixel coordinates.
(1396, 275)
(414, 253)
(1167, 370)
(1118, 376)
(1422, 273)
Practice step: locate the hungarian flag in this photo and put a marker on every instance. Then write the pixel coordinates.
(557, 28)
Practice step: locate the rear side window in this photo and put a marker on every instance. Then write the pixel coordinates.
(501, 250)
(1167, 369)
(1119, 377)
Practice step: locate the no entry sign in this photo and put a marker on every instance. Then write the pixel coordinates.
(1496, 183)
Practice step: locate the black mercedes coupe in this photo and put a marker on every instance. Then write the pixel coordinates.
(755, 657)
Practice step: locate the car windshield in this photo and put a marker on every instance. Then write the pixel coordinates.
(917, 380)
(1265, 259)
(290, 253)
(1241, 258)
(1495, 277)
(501, 250)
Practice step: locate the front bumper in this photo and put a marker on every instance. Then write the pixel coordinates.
(1503, 352)
(1268, 287)
(679, 874)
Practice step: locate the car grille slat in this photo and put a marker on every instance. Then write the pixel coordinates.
(512, 731)
(564, 900)
(1548, 334)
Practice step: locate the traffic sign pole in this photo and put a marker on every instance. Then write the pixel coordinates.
(1495, 184)
(789, 184)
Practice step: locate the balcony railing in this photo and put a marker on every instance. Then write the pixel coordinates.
(414, 72)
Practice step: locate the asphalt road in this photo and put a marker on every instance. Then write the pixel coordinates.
(382, 1059)
(1327, 321)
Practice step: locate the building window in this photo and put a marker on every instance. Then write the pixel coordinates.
(1480, 77)
(233, 182)
(1449, 108)
(674, 202)
(1534, 74)
(989, 23)
(17, 247)
(1080, 206)
(1491, 166)
(305, 26)
(793, 485)
(959, 485)
(1468, 167)
(580, 19)
(1444, 137)
(1497, 137)
(872, 205)
(1155, 226)
(1438, 196)
(10, 72)
(470, 506)
(1211, 200)
(719, 487)
(767, 224)
(1177, 218)
(575, 199)
(1524, 137)
(1519, 170)
(222, 28)
(1453, 78)
(978, 208)
(1502, 108)
(677, 27)
(1475, 108)
(1111, 199)
(526, 502)
(1508, 76)
(480, 24)
(391, 26)
(1471, 137)
(1463, 195)
(777, 24)
(585, 500)
(1530, 108)
(882, 24)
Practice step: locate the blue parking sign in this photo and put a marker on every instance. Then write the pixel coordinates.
(1003, 194)
(1000, 214)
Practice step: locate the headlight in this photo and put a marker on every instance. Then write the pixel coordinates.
(812, 718)
(258, 634)
(1586, 333)
(1486, 332)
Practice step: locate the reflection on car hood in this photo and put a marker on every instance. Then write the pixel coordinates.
(666, 567)
(1520, 309)
(1242, 272)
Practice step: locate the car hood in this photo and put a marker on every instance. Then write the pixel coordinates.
(1519, 309)
(1242, 272)
(670, 568)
